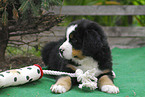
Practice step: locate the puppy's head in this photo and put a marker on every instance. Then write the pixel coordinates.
(83, 38)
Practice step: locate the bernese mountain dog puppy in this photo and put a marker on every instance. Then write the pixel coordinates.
(84, 47)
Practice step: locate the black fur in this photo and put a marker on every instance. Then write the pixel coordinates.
(87, 37)
(51, 57)
(94, 43)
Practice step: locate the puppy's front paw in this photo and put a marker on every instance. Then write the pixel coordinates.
(58, 89)
(110, 89)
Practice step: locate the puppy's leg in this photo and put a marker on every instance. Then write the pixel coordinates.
(62, 85)
(105, 84)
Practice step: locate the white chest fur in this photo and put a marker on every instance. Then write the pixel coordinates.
(88, 63)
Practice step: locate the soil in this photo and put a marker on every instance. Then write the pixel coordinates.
(19, 62)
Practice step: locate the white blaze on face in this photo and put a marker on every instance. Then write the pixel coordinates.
(66, 46)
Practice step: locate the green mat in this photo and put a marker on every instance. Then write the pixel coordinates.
(129, 66)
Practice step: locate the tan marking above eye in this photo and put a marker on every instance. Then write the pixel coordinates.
(71, 35)
(77, 54)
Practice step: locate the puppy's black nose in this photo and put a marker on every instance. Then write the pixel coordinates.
(61, 51)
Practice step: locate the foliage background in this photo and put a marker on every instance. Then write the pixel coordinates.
(108, 20)
(102, 20)
(20, 18)
(23, 17)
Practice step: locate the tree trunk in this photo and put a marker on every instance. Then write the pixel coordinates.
(4, 37)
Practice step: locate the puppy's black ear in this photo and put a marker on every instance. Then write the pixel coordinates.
(94, 40)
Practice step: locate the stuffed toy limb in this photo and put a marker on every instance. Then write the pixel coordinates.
(31, 73)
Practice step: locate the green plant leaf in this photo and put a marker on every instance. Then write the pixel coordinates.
(24, 6)
(45, 4)
(15, 14)
(1, 9)
(34, 9)
(5, 18)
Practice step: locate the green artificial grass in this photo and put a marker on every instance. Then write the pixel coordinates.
(129, 66)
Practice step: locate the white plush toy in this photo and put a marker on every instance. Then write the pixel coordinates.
(20, 76)
(31, 73)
